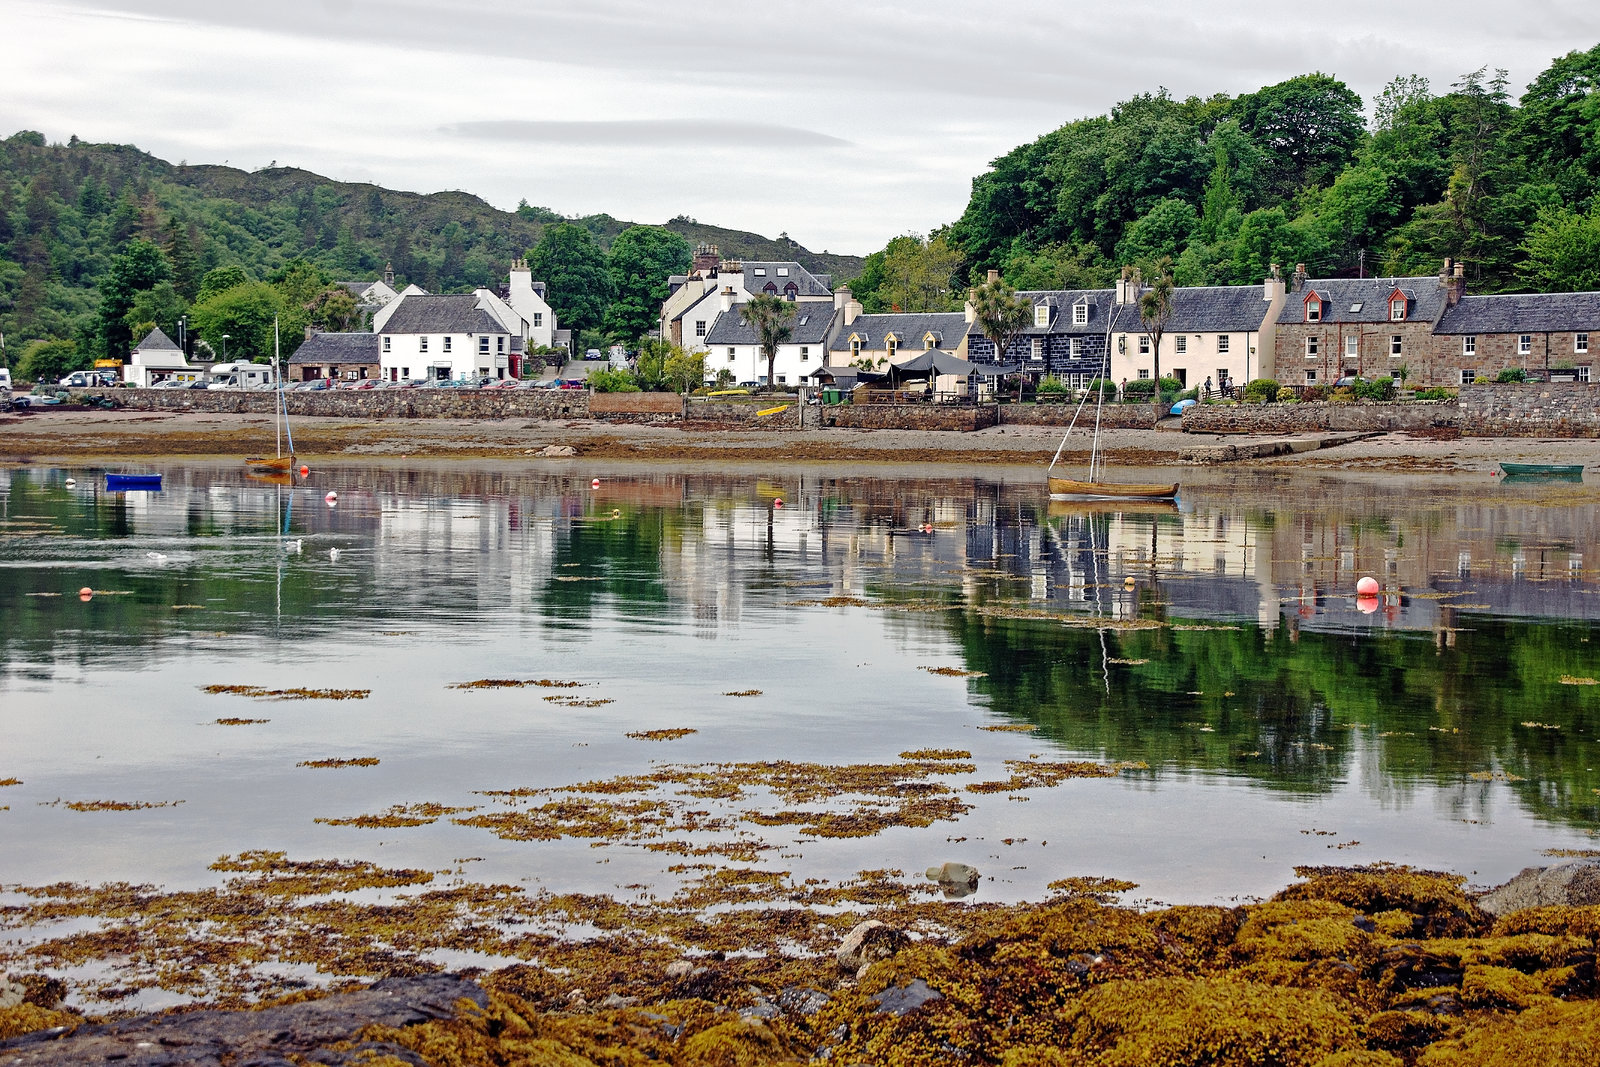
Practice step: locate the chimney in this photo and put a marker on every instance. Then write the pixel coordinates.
(994, 276)
(706, 259)
(727, 298)
(852, 310)
(841, 297)
(1445, 273)
(388, 275)
(971, 312)
(1457, 287)
(1273, 287)
(310, 329)
(1299, 276)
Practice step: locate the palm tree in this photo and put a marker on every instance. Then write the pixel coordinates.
(772, 317)
(1000, 314)
(1155, 310)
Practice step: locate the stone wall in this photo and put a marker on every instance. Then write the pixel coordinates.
(1535, 409)
(1304, 418)
(601, 404)
(371, 404)
(1112, 416)
(908, 417)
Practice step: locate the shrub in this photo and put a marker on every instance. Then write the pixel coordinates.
(1051, 384)
(1379, 389)
(609, 380)
(1287, 395)
(1438, 392)
(1140, 388)
(1106, 386)
(1511, 374)
(1261, 391)
(1343, 394)
(1170, 384)
(1483, 379)
(1314, 393)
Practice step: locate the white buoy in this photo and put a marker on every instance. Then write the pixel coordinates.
(72, 483)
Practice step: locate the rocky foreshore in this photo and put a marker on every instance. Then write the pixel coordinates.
(1349, 967)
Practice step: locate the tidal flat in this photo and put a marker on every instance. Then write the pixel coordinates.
(500, 717)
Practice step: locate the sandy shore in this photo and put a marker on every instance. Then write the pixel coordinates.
(79, 436)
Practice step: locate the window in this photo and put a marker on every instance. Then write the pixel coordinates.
(802, 320)
(1144, 374)
(1395, 375)
(1311, 377)
(1580, 343)
(1583, 373)
(1041, 314)
(1037, 348)
(1144, 344)
(1396, 346)
(1313, 347)
(760, 272)
(929, 343)
(783, 272)
(386, 347)
(1469, 345)
(422, 343)
(538, 319)
(730, 354)
(805, 353)
(1356, 306)
(1080, 314)
(1313, 310)
(483, 345)
(890, 343)
(500, 344)
(405, 372)
(855, 346)
(1075, 346)
(783, 379)
(700, 327)
(1397, 309)
(447, 340)
(1525, 344)
(1352, 346)
(1222, 343)
(1181, 343)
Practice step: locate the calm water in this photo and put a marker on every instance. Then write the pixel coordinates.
(1446, 723)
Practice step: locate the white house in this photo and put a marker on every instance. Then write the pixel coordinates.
(155, 359)
(426, 336)
(1216, 332)
(733, 344)
(695, 300)
(370, 296)
(528, 298)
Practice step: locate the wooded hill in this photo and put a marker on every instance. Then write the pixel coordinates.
(68, 210)
(1298, 172)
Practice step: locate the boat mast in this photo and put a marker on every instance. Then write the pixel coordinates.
(277, 435)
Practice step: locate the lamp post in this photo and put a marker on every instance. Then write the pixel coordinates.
(183, 334)
(224, 348)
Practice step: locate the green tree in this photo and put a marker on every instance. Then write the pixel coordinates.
(574, 267)
(1309, 126)
(773, 320)
(300, 282)
(650, 366)
(642, 258)
(335, 309)
(246, 314)
(1264, 238)
(1563, 252)
(1000, 314)
(911, 274)
(50, 360)
(220, 280)
(161, 305)
(1165, 230)
(685, 371)
(181, 246)
(1155, 311)
(1058, 266)
(139, 266)
(1559, 123)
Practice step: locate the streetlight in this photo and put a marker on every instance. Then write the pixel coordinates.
(224, 348)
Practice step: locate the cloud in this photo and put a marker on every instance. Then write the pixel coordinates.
(646, 133)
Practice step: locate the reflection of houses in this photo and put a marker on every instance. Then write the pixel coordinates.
(156, 359)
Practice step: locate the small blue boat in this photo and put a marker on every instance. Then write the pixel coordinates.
(121, 482)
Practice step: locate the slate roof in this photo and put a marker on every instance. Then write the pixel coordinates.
(1215, 309)
(947, 327)
(1425, 299)
(441, 314)
(337, 348)
(1102, 304)
(806, 283)
(356, 288)
(1523, 313)
(156, 341)
(808, 327)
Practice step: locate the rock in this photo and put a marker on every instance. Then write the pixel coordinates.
(903, 1000)
(557, 451)
(679, 969)
(869, 942)
(616, 1000)
(955, 879)
(11, 993)
(798, 1001)
(1574, 884)
(762, 1010)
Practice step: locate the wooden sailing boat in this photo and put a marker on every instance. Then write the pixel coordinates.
(279, 463)
(1096, 487)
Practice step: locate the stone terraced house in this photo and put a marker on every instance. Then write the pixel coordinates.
(1332, 328)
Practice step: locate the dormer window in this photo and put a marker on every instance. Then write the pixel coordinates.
(1041, 314)
(890, 343)
(1080, 314)
(759, 272)
(1397, 309)
(855, 345)
(783, 272)
(1313, 309)
(929, 342)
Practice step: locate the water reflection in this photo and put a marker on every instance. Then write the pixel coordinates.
(1218, 639)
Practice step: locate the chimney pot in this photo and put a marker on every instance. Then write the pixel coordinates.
(994, 276)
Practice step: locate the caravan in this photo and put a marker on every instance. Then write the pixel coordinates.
(241, 375)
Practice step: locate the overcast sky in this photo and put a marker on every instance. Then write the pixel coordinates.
(841, 123)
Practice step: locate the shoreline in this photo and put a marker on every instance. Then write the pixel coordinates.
(74, 436)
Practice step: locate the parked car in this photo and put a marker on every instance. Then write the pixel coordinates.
(89, 379)
(503, 383)
(311, 385)
(593, 353)
(172, 383)
(5, 378)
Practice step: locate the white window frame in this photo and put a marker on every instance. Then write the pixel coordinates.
(1041, 314)
(1144, 374)
(1036, 348)
(444, 346)
(805, 353)
(1314, 310)
(783, 272)
(387, 348)
(891, 345)
(1075, 347)
(699, 327)
(1397, 346)
(1180, 344)
(759, 272)
(1080, 314)
(1313, 346)
(1352, 346)
(1467, 375)
(1144, 344)
(1580, 342)
(730, 353)
(1469, 344)
(855, 347)
(1397, 310)
(1583, 372)
(1223, 342)
(538, 319)
(422, 343)
(483, 345)
(1311, 377)
(1525, 344)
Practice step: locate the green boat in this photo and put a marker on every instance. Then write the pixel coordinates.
(1561, 472)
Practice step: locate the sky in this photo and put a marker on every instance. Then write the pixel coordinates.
(840, 123)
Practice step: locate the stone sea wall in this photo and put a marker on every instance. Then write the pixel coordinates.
(908, 417)
(1112, 416)
(371, 404)
(1322, 416)
(1531, 409)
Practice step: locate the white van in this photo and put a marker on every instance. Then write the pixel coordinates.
(5, 378)
(241, 375)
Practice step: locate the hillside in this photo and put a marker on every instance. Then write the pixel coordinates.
(67, 209)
